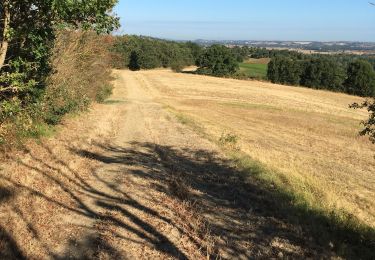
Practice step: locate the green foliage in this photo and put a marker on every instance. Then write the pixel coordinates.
(137, 52)
(81, 61)
(284, 70)
(239, 53)
(195, 49)
(134, 61)
(369, 125)
(361, 79)
(103, 93)
(218, 60)
(28, 42)
(229, 141)
(323, 73)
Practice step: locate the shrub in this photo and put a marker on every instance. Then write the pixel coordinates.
(28, 34)
(82, 74)
(229, 141)
(103, 93)
(369, 124)
(361, 79)
(134, 61)
(284, 70)
(177, 66)
(218, 60)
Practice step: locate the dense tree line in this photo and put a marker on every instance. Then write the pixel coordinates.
(324, 72)
(245, 52)
(217, 60)
(138, 52)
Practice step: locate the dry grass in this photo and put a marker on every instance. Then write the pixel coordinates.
(310, 137)
(258, 61)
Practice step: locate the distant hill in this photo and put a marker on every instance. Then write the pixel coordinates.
(337, 46)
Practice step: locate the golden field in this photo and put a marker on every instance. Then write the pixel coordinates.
(308, 137)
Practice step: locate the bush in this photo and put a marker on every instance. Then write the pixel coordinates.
(177, 66)
(218, 60)
(81, 74)
(284, 70)
(361, 79)
(81, 61)
(104, 93)
(134, 61)
(29, 94)
(369, 124)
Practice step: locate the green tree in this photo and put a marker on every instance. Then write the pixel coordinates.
(151, 53)
(323, 73)
(195, 49)
(218, 60)
(360, 79)
(28, 33)
(284, 70)
(369, 124)
(273, 71)
(134, 61)
(368, 104)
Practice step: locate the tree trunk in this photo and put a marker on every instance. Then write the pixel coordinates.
(5, 42)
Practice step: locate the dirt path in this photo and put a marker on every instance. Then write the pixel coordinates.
(127, 181)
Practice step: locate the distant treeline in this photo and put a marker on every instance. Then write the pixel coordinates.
(353, 75)
(139, 52)
(350, 74)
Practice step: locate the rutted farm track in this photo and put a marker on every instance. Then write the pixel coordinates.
(126, 180)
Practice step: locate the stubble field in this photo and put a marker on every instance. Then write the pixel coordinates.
(307, 138)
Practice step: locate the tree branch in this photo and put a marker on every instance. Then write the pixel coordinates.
(5, 42)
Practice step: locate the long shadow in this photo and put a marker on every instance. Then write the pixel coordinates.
(8, 246)
(252, 219)
(77, 190)
(248, 218)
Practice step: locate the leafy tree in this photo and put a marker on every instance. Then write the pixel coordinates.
(370, 123)
(134, 61)
(323, 73)
(368, 104)
(218, 60)
(28, 33)
(273, 71)
(284, 70)
(239, 54)
(152, 53)
(195, 49)
(361, 79)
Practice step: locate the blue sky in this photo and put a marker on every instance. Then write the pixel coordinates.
(321, 20)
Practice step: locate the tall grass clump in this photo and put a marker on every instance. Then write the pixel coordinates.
(82, 74)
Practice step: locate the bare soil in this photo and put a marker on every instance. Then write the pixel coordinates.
(126, 180)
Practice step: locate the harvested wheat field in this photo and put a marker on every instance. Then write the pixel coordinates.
(152, 174)
(309, 136)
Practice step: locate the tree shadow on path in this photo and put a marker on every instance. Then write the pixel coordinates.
(246, 218)
(249, 219)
